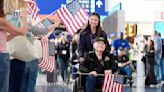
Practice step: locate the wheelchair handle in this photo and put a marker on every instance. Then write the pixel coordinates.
(88, 74)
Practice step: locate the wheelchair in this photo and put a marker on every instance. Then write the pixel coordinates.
(79, 86)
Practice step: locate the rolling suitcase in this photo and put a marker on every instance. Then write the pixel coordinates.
(52, 77)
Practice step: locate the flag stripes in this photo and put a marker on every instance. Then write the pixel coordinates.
(73, 16)
(47, 62)
(33, 10)
(113, 83)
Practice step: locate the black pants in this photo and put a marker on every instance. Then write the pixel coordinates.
(162, 90)
(17, 69)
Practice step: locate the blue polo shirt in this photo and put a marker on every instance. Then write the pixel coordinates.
(120, 43)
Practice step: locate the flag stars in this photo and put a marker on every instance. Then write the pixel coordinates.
(73, 7)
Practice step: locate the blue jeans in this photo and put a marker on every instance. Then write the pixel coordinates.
(157, 68)
(17, 69)
(128, 70)
(162, 68)
(4, 72)
(30, 76)
(63, 64)
(91, 82)
(74, 70)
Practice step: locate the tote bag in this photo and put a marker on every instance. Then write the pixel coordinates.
(38, 48)
(20, 47)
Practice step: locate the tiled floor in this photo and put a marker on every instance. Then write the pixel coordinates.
(43, 86)
(60, 88)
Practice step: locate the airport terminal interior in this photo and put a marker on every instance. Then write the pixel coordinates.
(133, 18)
(83, 46)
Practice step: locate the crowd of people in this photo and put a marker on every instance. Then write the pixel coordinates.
(89, 48)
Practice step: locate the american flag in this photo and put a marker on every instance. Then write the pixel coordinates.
(113, 83)
(48, 61)
(33, 10)
(51, 46)
(73, 16)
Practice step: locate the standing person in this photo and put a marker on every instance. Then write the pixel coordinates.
(31, 67)
(74, 54)
(162, 60)
(63, 56)
(92, 30)
(158, 55)
(12, 30)
(120, 42)
(17, 66)
(97, 62)
(15, 11)
(150, 62)
(74, 48)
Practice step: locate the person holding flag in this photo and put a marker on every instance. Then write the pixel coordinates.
(12, 31)
(35, 31)
(97, 62)
(16, 13)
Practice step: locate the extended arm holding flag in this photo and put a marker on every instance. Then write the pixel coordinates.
(36, 26)
(40, 29)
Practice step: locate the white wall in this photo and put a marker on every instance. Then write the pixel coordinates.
(138, 10)
(145, 28)
(141, 12)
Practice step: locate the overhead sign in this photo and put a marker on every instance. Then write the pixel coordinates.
(48, 6)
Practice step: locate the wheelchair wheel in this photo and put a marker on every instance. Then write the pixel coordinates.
(162, 90)
(77, 86)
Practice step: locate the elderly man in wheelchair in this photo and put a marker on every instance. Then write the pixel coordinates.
(97, 63)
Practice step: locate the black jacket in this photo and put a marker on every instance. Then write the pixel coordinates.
(122, 59)
(92, 63)
(86, 41)
(63, 48)
(150, 55)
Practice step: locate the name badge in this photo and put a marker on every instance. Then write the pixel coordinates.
(64, 52)
(119, 64)
(123, 44)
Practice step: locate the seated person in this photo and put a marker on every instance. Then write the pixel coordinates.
(97, 62)
(123, 63)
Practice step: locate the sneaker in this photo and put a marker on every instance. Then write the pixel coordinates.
(59, 78)
(162, 82)
(130, 82)
(152, 86)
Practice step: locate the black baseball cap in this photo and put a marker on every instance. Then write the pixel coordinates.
(99, 39)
